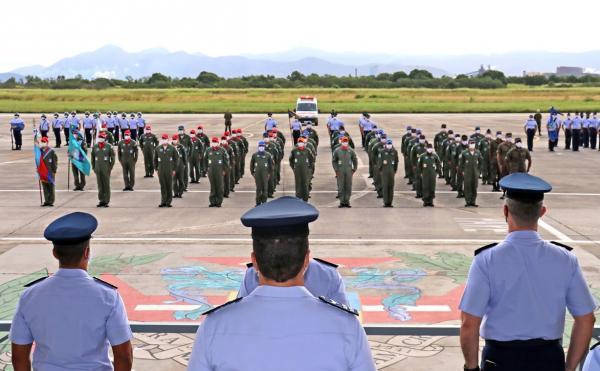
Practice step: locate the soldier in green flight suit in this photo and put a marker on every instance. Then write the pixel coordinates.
(494, 171)
(228, 182)
(375, 148)
(439, 138)
(180, 168)
(387, 165)
(127, 153)
(301, 162)
(78, 175)
(417, 150)
(428, 166)
(261, 168)
(165, 162)
(186, 142)
(237, 153)
(312, 133)
(216, 161)
(405, 149)
(516, 158)
(206, 142)
(484, 146)
(444, 157)
(470, 162)
(196, 152)
(372, 138)
(245, 144)
(110, 138)
(280, 146)
(407, 135)
(273, 149)
(103, 161)
(51, 161)
(344, 163)
(148, 142)
(458, 150)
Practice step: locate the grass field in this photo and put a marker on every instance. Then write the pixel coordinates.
(511, 99)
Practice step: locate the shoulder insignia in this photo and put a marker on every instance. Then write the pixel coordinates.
(214, 309)
(249, 265)
(104, 283)
(35, 281)
(343, 307)
(595, 345)
(561, 245)
(485, 248)
(326, 262)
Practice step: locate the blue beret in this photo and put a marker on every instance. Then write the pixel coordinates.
(265, 134)
(524, 187)
(389, 141)
(409, 127)
(261, 143)
(71, 228)
(284, 216)
(180, 127)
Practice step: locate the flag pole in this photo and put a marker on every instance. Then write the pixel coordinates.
(69, 173)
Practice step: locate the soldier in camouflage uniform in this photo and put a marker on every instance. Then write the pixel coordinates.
(503, 149)
(516, 157)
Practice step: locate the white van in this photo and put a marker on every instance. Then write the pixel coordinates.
(307, 110)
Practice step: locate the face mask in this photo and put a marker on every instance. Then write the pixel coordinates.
(164, 142)
(100, 140)
(127, 137)
(342, 132)
(499, 136)
(181, 132)
(388, 146)
(174, 142)
(464, 143)
(223, 142)
(519, 145)
(344, 145)
(422, 141)
(429, 150)
(471, 146)
(214, 145)
(489, 136)
(44, 145)
(457, 139)
(309, 126)
(200, 131)
(261, 149)
(477, 131)
(148, 131)
(301, 145)
(509, 140)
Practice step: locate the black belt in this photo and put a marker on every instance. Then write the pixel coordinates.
(522, 343)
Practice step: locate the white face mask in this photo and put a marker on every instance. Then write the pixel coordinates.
(477, 131)
(519, 145)
(422, 141)
(300, 145)
(471, 146)
(509, 140)
(164, 142)
(464, 143)
(345, 144)
(457, 139)
(44, 144)
(174, 142)
(200, 131)
(100, 140)
(181, 132)
(127, 137)
(388, 146)
(499, 136)
(223, 142)
(261, 148)
(429, 150)
(214, 145)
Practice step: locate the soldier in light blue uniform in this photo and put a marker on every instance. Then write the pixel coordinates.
(141, 124)
(530, 129)
(281, 325)
(44, 126)
(320, 279)
(132, 123)
(71, 316)
(88, 127)
(296, 128)
(16, 127)
(575, 126)
(334, 124)
(517, 292)
(57, 125)
(593, 131)
(366, 126)
(66, 128)
(123, 124)
(270, 122)
(74, 121)
(592, 361)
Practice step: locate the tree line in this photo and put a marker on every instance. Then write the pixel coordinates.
(417, 78)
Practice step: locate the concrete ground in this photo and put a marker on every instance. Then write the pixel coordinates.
(403, 266)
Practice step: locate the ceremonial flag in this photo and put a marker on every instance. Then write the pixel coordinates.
(78, 156)
(42, 171)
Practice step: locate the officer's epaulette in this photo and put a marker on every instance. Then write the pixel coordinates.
(35, 281)
(105, 283)
(214, 309)
(595, 345)
(326, 262)
(561, 245)
(343, 307)
(483, 248)
(249, 265)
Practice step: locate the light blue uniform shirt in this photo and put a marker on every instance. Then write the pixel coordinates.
(88, 123)
(586, 123)
(57, 123)
(132, 123)
(367, 125)
(141, 122)
(110, 122)
(593, 123)
(270, 124)
(335, 124)
(73, 122)
(45, 125)
(296, 125)
(73, 319)
(592, 362)
(522, 286)
(123, 124)
(281, 328)
(320, 279)
(15, 123)
(576, 122)
(567, 123)
(530, 124)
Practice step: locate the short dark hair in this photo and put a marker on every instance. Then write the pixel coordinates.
(280, 258)
(70, 254)
(525, 214)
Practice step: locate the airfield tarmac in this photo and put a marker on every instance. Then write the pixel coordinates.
(403, 266)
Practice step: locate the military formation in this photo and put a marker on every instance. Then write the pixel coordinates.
(463, 161)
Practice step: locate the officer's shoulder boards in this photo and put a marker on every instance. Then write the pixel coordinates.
(595, 345)
(214, 309)
(35, 281)
(483, 248)
(249, 265)
(104, 283)
(561, 245)
(326, 262)
(343, 307)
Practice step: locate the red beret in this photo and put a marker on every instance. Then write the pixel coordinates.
(200, 127)
(223, 138)
(226, 134)
(127, 132)
(192, 131)
(148, 127)
(175, 137)
(102, 134)
(44, 139)
(165, 136)
(215, 140)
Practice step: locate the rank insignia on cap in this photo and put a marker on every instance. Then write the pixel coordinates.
(343, 307)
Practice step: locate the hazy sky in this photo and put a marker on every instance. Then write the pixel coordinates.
(43, 31)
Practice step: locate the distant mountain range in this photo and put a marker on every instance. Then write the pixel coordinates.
(112, 61)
